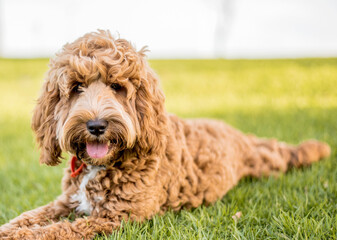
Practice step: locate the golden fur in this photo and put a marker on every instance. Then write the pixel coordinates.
(156, 161)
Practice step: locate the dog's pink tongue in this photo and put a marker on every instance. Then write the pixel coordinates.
(97, 150)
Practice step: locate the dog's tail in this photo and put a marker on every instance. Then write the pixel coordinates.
(306, 153)
(269, 156)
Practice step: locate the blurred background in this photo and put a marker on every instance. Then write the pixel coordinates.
(175, 28)
(266, 67)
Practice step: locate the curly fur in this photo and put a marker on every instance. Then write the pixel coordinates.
(156, 161)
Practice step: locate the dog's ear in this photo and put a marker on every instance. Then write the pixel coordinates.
(150, 112)
(44, 123)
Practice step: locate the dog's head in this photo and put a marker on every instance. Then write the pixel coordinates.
(100, 99)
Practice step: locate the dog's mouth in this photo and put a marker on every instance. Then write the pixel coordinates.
(98, 150)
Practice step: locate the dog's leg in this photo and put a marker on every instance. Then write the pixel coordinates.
(81, 228)
(41, 216)
(269, 156)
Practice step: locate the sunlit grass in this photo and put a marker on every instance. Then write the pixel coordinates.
(292, 100)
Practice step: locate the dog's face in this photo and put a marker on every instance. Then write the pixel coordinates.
(99, 100)
(99, 121)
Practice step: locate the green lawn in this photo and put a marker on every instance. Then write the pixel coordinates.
(292, 100)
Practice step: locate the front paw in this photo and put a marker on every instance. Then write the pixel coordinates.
(22, 233)
(5, 231)
(51, 232)
(8, 231)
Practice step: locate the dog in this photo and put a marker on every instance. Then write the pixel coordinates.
(131, 160)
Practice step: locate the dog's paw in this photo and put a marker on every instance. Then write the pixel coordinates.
(23, 233)
(5, 232)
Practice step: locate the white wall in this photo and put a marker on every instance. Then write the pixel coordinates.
(175, 28)
(283, 28)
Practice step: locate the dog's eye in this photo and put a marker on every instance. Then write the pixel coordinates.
(116, 86)
(77, 88)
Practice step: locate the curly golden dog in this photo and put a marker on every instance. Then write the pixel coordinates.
(102, 103)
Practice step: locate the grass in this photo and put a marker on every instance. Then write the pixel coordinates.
(292, 100)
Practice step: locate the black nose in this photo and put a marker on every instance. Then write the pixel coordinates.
(97, 127)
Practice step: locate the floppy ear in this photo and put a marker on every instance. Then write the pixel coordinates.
(44, 123)
(150, 112)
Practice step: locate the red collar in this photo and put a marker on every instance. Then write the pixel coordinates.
(75, 173)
